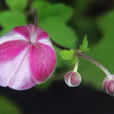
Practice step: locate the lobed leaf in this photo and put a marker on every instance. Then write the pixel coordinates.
(59, 32)
(16, 4)
(10, 19)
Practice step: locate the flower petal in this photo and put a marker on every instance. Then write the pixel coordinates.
(24, 31)
(11, 36)
(41, 34)
(46, 41)
(16, 73)
(11, 49)
(42, 61)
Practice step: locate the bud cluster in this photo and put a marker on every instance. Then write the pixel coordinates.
(73, 78)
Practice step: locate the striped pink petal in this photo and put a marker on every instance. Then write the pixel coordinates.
(23, 30)
(9, 50)
(42, 61)
(16, 73)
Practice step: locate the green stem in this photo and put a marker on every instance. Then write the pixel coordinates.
(80, 54)
(76, 65)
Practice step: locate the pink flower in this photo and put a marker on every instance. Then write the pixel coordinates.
(27, 57)
(72, 79)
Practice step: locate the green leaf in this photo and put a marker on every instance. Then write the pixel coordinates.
(10, 19)
(103, 52)
(60, 11)
(84, 45)
(16, 4)
(7, 107)
(60, 61)
(59, 32)
(67, 54)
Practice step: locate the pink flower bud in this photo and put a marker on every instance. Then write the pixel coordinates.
(72, 79)
(27, 57)
(108, 85)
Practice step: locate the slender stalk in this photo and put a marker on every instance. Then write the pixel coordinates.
(34, 32)
(29, 3)
(59, 46)
(35, 18)
(80, 54)
(76, 65)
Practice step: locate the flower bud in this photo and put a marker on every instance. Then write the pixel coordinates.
(27, 57)
(108, 85)
(72, 79)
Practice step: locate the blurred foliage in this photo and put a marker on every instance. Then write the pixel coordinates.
(103, 51)
(66, 22)
(10, 19)
(7, 107)
(16, 4)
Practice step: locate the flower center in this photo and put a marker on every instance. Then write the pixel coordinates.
(33, 37)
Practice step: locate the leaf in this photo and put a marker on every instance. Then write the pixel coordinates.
(10, 19)
(60, 62)
(59, 32)
(7, 107)
(60, 11)
(103, 52)
(84, 45)
(67, 54)
(16, 4)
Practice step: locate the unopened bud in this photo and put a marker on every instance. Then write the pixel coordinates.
(72, 79)
(108, 85)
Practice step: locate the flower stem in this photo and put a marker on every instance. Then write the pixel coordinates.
(76, 65)
(80, 54)
(29, 3)
(35, 19)
(59, 46)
